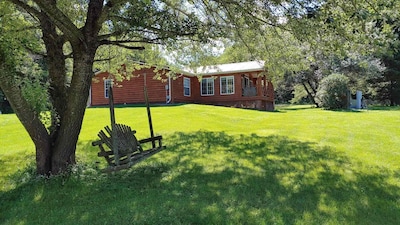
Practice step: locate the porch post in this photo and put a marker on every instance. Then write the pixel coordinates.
(259, 86)
(265, 85)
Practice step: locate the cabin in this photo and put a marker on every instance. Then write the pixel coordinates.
(243, 85)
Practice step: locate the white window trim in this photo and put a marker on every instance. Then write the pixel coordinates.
(201, 86)
(227, 78)
(184, 87)
(106, 83)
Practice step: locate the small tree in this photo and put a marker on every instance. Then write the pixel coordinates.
(332, 92)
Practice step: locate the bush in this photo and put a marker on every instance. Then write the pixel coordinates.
(333, 92)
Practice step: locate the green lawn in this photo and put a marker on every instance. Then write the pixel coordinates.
(298, 165)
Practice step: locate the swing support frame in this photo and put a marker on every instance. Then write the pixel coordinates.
(118, 144)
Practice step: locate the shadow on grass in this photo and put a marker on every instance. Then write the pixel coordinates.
(385, 108)
(372, 108)
(294, 107)
(215, 178)
(347, 110)
(140, 105)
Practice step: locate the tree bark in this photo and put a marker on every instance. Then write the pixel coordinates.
(58, 90)
(84, 51)
(65, 144)
(310, 95)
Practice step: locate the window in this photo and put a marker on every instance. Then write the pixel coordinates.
(186, 86)
(227, 85)
(107, 85)
(207, 86)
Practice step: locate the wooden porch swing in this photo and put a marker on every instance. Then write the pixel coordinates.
(118, 144)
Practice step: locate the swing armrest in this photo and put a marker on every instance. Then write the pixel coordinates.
(152, 139)
(98, 142)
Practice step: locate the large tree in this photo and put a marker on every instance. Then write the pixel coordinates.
(77, 29)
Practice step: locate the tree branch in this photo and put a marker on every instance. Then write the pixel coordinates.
(121, 44)
(94, 16)
(26, 7)
(72, 33)
(107, 9)
(130, 47)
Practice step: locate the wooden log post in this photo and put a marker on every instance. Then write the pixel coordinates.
(113, 126)
(146, 98)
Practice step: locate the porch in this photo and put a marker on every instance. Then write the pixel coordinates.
(257, 92)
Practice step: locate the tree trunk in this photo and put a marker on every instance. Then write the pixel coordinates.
(55, 150)
(57, 73)
(314, 90)
(392, 91)
(309, 94)
(58, 93)
(54, 158)
(68, 100)
(65, 143)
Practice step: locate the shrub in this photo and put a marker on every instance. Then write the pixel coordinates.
(333, 92)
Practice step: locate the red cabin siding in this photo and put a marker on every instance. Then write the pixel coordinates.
(177, 90)
(159, 87)
(130, 91)
(219, 98)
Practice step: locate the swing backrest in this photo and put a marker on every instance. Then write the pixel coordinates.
(125, 144)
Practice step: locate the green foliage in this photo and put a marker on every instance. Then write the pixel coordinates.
(360, 70)
(29, 77)
(280, 50)
(284, 89)
(36, 94)
(387, 87)
(333, 92)
(364, 72)
(17, 47)
(352, 34)
(340, 26)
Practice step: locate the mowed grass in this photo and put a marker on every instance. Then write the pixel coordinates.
(298, 165)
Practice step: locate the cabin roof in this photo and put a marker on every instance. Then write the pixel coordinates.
(241, 67)
(228, 68)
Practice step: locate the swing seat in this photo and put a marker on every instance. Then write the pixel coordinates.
(128, 150)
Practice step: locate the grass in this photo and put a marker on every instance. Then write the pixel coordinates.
(298, 165)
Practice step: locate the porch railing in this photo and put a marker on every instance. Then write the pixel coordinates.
(249, 91)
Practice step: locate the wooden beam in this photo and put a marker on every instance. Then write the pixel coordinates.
(146, 98)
